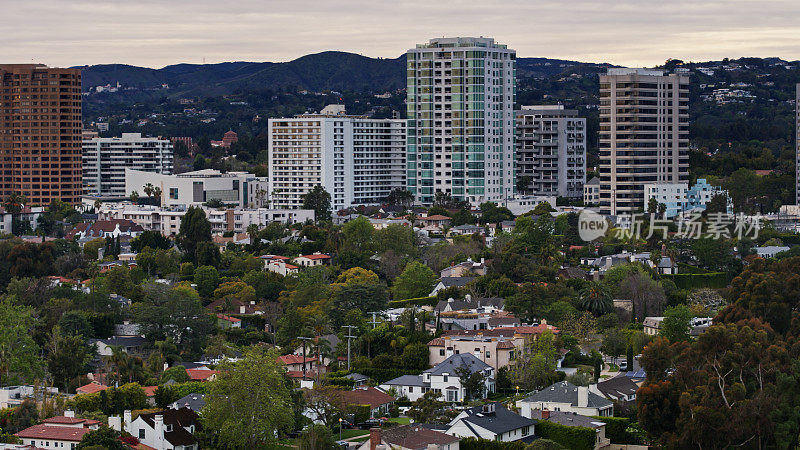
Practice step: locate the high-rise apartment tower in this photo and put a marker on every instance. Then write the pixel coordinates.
(461, 94)
(40, 133)
(644, 135)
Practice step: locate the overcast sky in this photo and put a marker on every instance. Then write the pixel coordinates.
(156, 33)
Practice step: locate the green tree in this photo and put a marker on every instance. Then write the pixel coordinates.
(427, 409)
(19, 354)
(415, 281)
(207, 280)
(677, 323)
(415, 356)
(614, 343)
(75, 323)
(317, 437)
(534, 367)
(319, 200)
(472, 382)
(596, 299)
(67, 358)
(103, 437)
(194, 230)
(249, 403)
(152, 239)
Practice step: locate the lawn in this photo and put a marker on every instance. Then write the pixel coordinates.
(401, 420)
(613, 367)
(346, 434)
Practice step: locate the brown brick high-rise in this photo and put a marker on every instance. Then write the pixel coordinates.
(40, 133)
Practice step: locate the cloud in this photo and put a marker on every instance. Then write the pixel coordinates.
(626, 32)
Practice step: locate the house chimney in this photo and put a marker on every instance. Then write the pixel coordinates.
(69, 413)
(115, 423)
(467, 298)
(545, 414)
(126, 420)
(450, 300)
(374, 438)
(158, 427)
(583, 396)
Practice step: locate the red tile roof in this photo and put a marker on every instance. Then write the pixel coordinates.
(91, 388)
(201, 374)
(150, 391)
(228, 318)
(366, 396)
(505, 345)
(314, 256)
(53, 432)
(438, 342)
(63, 420)
(435, 217)
(294, 359)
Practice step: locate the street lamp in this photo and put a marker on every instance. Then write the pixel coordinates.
(517, 390)
(340, 428)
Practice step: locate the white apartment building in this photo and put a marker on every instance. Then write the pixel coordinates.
(460, 100)
(591, 192)
(551, 150)
(644, 135)
(358, 160)
(167, 221)
(105, 161)
(679, 197)
(195, 188)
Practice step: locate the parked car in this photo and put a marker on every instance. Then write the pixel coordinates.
(623, 366)
(371, 423)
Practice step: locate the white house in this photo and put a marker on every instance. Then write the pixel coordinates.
(170, 429)
(58, 432)
(443, 378)
(770, 251)
(316, 259)
(565, 396)
(493, 422)
(278, 264)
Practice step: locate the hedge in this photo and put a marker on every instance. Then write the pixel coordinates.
(485, 444)
(575, 438)
(688, 268)
(421, 301)
(714, 280)
(616, 429)
(341, 381)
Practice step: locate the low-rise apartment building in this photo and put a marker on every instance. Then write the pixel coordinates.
(241, 189)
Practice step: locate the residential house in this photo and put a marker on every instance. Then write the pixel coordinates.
(652, 325)
(358, 379)
(278, 264)
(410, 437)
(227, 322)
(105, 228)
(58, 432)
(619, 389)
(202, 374)
(770, 251)
(193, 401)
(11, 396)
(443, 379)
(379, 402)
(295, 363)
(565, 396)
(575, 420)
(315, 259)
(496, 346)
(233, 306)
(447, 282)
(666, 266)
(466, 229)
(468, 267)
(132, 345)
(435, 220)
(493, 422)
(91, 388)
(170, 429)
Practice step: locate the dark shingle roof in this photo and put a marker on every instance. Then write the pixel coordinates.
(178, 418)
(617, 386)
(455, 281)
(408, 380)
(465, 360)
(567, 418)
(416, 437)
(193, 401)
(499, 421)
(566, 392)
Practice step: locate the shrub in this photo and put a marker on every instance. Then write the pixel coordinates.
(575, 438)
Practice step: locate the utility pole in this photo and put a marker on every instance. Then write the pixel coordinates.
(304, 339)
(374, 322)
(349, 336)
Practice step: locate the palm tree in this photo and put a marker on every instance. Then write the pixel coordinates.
(14, 203)
(134, 196)
(148, 189)
(119, 361)
(596, 298)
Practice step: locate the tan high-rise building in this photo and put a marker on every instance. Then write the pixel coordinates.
(644, 135)
(40, 133)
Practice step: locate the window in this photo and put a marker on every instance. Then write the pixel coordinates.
(410, 389)
(173, 193)
(441, 352)
(141, 433)
(526, 430)
(445, 378)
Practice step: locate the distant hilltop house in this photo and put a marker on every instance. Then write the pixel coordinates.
(315, 259)
(652, 325)
(467, 267)
(228, 139)
(105, 229)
